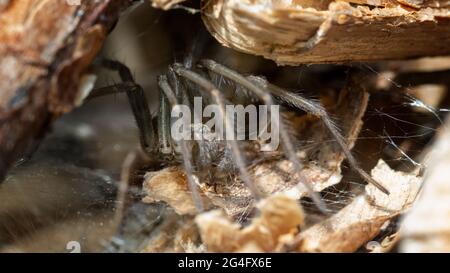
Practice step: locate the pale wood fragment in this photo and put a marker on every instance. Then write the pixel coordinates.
(296, 32)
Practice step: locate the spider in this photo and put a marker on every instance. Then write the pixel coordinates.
(179, 85)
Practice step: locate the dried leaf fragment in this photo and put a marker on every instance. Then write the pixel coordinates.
(176, 235)
(279, 216)
(363, 218)
(170, 185)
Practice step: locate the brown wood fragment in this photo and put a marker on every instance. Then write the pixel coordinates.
(280, 216)
(292, 32)
(46, 47)
(362, 220)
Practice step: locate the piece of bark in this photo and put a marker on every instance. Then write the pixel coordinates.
(170, 186)
(46, 48)
(364, 217)
(408, 3)
(278, 227)
(279, 217)
(176, 235)
(427, 64)
(427, 227)
(291, 32)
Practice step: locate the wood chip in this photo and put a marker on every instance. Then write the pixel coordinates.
(291, 32)
(280, 216)
(364, 217)
(176, 235)
(170, 185)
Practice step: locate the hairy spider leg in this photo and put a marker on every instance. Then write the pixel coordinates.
(179, 87)
(141, 113)
(316, 109)
(108, 90)
(266, 97)
(164, 118)
(211, 90)
(169, 95)
(138, 103)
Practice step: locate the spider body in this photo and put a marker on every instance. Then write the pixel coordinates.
(216, 159)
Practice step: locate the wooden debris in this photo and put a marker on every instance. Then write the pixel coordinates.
(170, 186)
(427, 227)
(46, 48)
(176, 235)
(280, 216)
(297, 32)
(363, 219)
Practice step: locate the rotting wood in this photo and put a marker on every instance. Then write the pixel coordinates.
(293, 34)
(46, 47)
(305, 31)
